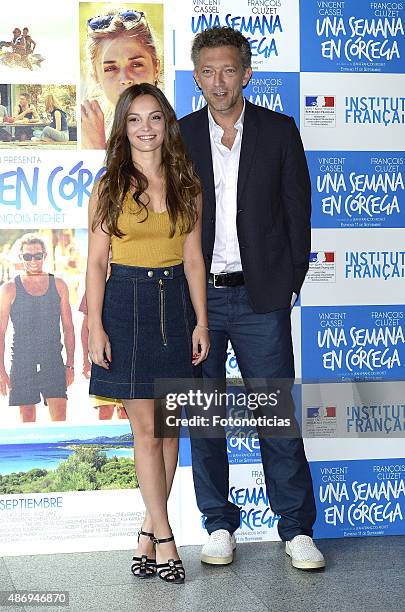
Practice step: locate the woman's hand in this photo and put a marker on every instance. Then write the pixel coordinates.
(99, 347)
(93, 128)
(200, 339)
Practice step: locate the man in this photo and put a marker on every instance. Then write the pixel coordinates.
(18, 42)
(25, 111)
(256, 244)
(36, 302)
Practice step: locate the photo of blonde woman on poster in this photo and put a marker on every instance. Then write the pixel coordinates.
(120, 45)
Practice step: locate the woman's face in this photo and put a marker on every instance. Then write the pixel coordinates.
(123, 62)
(145, 124)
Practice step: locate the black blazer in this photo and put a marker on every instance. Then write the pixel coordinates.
(273, 202)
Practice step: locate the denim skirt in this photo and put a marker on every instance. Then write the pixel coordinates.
(149, 318)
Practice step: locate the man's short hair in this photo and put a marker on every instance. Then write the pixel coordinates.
(31, 239)
(25, 95)
(222, 37)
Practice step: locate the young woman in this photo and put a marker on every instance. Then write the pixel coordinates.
(121, 52)
(58, 130)
(141, 322)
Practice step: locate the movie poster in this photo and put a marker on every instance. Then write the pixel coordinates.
(120, 45)
(352, 36)
(338, 69)
(357, 189)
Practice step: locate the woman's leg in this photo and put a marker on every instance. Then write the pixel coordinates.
(170, 456)
(170, 446)
(154, 481)
(49, 133)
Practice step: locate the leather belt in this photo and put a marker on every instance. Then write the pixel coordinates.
(231, 279)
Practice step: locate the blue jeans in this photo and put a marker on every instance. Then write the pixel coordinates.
(53, 134)
(263, 348)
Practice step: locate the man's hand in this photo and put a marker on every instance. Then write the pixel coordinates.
(70, 376)
(4, 382)
(86, 368)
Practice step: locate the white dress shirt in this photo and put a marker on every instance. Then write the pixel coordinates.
(226, 255)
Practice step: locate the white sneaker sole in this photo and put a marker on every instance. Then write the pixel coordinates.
(305, 565)
(216, 560)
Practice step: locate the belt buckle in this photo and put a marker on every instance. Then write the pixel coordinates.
(215, 281)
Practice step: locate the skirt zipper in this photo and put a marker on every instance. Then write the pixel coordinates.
(162, 312)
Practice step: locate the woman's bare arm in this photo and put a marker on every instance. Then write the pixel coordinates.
(194, 269)
(96, 273)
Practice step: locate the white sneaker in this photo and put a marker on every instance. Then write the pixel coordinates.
(304, 554)
(219, 548)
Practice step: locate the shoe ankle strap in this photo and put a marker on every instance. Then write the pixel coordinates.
(162, 540)
(146, 533)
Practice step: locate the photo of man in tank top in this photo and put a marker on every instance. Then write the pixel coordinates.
(36, 302)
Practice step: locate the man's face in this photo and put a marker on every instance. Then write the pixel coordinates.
(32, 256)
(220, 76)
(23, 101)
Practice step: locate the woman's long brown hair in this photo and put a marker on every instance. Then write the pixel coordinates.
(182, 183)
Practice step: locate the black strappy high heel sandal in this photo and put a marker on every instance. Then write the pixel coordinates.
(143, 567)
(171, 571)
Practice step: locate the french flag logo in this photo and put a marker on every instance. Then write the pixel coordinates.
(320, 101)
(322, 257)
(319, 411)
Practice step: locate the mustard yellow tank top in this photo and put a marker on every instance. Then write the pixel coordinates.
(145, 244)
